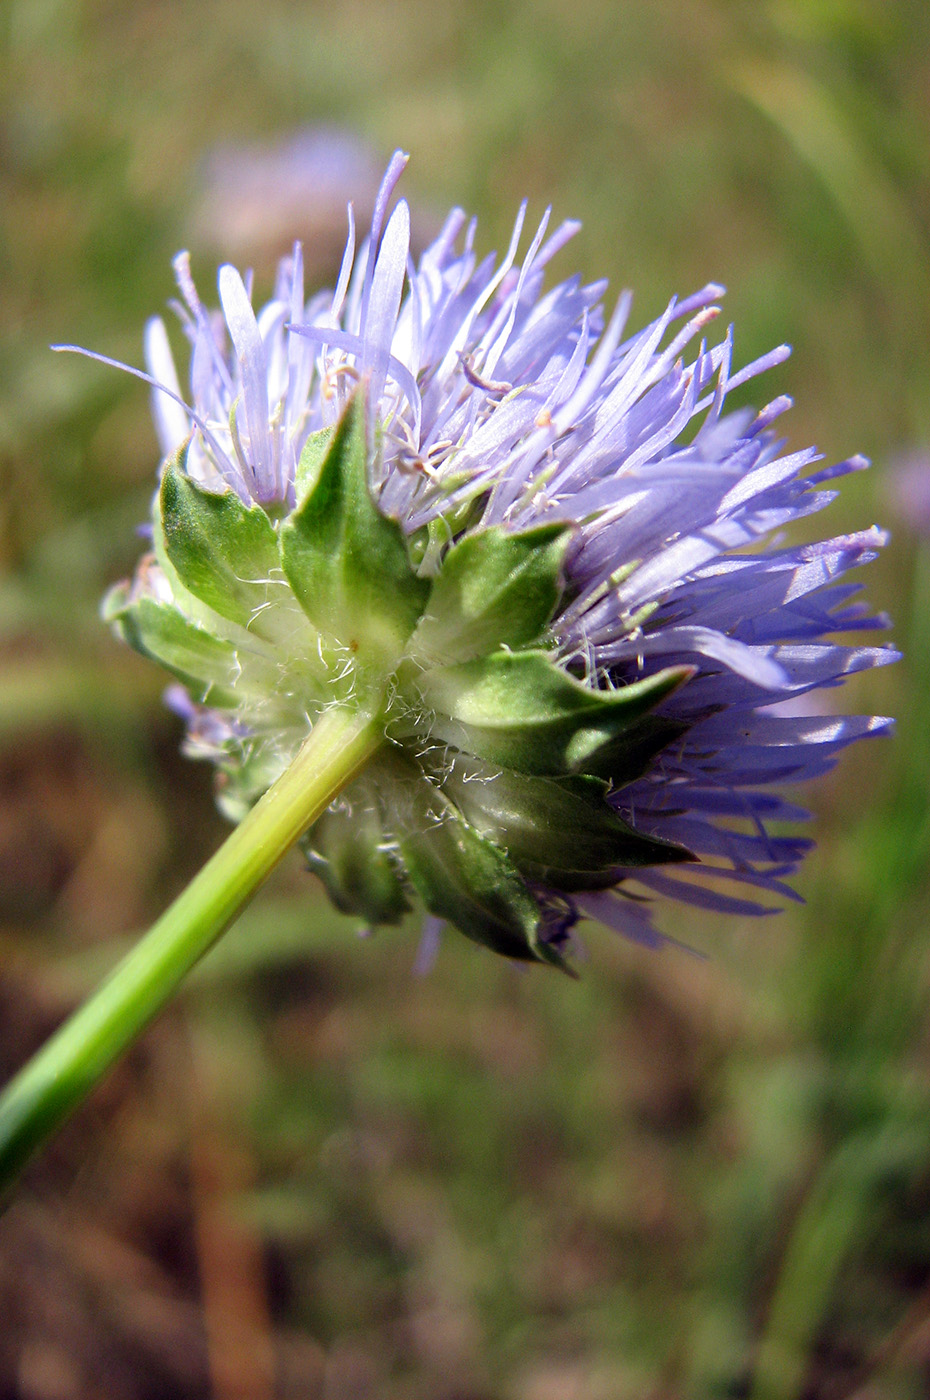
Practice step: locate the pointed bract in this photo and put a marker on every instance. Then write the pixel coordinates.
(346, 562)
(223, 551)
(495, 589)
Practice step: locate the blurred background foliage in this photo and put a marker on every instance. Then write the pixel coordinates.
(319, 1176)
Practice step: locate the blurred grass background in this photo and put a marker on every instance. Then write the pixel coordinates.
(318, 1176)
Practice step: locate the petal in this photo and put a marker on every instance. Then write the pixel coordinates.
(259, 470)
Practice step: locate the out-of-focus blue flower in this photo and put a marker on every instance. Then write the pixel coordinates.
(907, 489)
(254, 198)
(496, 405)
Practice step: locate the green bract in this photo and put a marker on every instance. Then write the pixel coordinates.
(346, 562)
(494, 777)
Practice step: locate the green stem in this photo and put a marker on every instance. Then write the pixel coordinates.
(67, 1068)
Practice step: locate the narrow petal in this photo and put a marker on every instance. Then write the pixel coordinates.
(243, 329)
(172, 421)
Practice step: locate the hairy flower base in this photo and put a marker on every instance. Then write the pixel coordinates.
(493, 751)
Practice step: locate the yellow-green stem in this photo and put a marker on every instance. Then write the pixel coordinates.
(73, 1061)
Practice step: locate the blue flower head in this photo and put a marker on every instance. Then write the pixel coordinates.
(537, 545)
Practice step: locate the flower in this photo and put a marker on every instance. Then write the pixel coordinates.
(543, 549)
(252, 196)
(907, 489)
